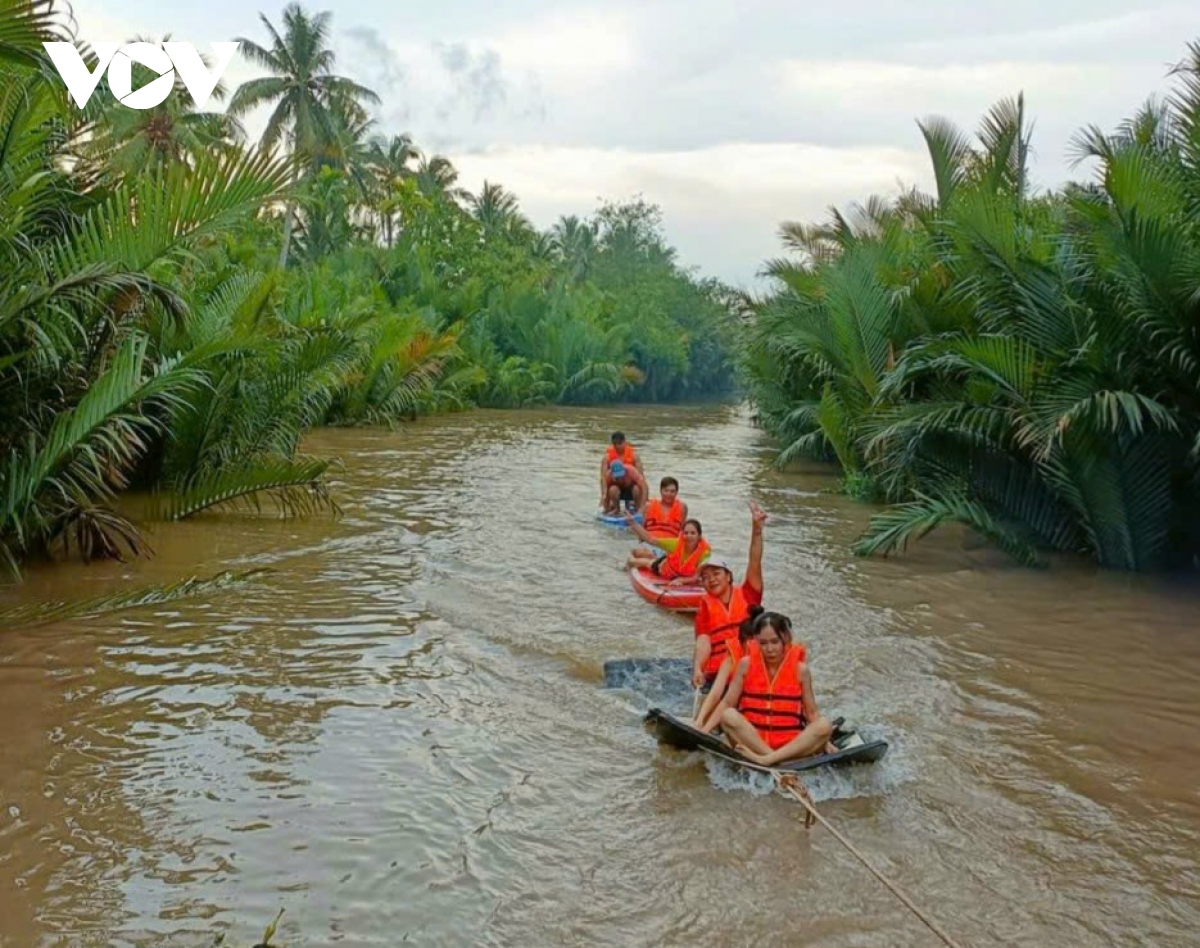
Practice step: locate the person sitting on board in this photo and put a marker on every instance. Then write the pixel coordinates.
(728, 687)
(621, 477)
(776, 718)
(718, 698)
(683, 558)
(664, 518)
(626, 488)
(725, 606)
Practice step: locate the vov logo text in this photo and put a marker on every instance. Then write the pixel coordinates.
(165, 60)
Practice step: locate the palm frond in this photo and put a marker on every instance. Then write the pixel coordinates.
(25, 25)
(295, 486)
(90, 448)
(896, 527)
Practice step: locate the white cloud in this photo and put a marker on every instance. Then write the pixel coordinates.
(862, 83)
(722, 205)
(733, 117)
(1124, 36)
(96, 23)
(578, 47)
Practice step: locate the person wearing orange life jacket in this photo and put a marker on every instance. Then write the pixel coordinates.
(683, 558)
(727, 687)
(664, 517)
(725, 606)
(621, 477)
(776, 718)
(717, 700)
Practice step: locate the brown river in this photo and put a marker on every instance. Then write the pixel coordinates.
(401, 734)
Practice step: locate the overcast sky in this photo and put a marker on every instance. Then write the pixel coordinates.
(732, 116)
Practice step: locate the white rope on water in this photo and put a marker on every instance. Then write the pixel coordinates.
(790, 784)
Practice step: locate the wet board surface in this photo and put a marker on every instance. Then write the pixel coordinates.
(616, 520)
(666, 682)
(661, 593)
(674, 732)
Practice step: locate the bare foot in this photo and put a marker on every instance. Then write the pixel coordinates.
(749, 754)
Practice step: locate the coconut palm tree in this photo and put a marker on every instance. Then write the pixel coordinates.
(498, 212)
(303, 90)
(347, 147)
(436, 174)
(128, 141)
(390, 164)
(576, 243)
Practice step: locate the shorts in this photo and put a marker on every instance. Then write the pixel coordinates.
(656, 566)
(627, 494)
(776, 739)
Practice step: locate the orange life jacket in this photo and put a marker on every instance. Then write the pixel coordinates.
(736, 649)
(663, 521)
(720, 623)
(674, 565)
(774, 706)
(627, 456)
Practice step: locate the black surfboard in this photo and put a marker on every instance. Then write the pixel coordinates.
(854, 748)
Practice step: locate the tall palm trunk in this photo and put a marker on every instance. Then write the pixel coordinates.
(289, 213)
(288, 223)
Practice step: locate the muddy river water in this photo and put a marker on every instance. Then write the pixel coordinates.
(400, 734)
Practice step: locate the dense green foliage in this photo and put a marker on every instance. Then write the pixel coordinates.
(1025, 364)
(178, 306)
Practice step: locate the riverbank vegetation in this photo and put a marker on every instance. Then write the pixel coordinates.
(179, 304)
(1023, 362)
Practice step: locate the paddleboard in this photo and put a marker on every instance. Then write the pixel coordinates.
(853, 748)
(657, 590)
(616, 520)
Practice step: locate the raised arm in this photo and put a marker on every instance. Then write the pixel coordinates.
(754, 574)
